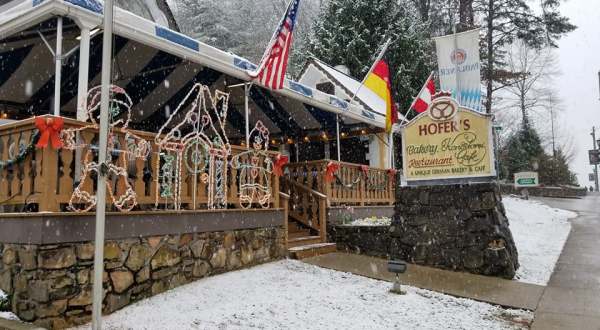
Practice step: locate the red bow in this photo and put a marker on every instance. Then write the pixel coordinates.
(330, 171)
(280, 161)
(49, 128)
(392, 173)
(364, 169)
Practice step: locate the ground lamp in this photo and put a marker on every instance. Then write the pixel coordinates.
(397, 267)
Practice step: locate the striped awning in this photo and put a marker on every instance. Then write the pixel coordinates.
(155, 76)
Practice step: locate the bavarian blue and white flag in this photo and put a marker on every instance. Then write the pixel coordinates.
(459, 67)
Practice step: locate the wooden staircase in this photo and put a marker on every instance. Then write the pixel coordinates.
(303, 243)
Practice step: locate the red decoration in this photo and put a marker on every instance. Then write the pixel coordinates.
(49, 128)
(332, 168)
(364, 169)
(392, 173)
(280, 161)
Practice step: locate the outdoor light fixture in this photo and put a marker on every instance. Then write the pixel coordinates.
(397, 267)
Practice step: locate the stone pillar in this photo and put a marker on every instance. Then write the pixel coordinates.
(457, 227)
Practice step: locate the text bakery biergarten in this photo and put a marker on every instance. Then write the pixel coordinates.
(448, 142)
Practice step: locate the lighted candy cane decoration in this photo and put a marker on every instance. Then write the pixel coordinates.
(203, 151)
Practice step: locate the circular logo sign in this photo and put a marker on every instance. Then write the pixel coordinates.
(458, 56)
(442, 109)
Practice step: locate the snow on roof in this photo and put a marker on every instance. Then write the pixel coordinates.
(371, 100)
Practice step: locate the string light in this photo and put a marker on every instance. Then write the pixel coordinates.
(343, 134)
(203, 157)
(82, 200)
(306, 139)
(255, 168)
(290, 141)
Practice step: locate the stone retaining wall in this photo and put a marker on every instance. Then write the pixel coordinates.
(367, 240)
(559, 192)
(457, 227)
(51, 284)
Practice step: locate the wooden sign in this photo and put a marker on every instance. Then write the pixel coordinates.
(448, 144)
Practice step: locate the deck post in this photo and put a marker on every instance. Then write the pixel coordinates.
(337, 126)
(82, 89)
(58, 65)
(101, 187)
(247, 113)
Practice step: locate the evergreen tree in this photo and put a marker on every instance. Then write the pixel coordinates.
(522, 151)
(508, 20)
(351, 32)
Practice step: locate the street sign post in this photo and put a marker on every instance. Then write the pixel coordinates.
(527, 179)
(594, 156)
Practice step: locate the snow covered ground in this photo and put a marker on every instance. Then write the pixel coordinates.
(289, 294)
(6, 315)
(540, 233)
(371, 221)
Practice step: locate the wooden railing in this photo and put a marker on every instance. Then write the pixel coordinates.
(352, 184)
(43, 179)
(307, 206)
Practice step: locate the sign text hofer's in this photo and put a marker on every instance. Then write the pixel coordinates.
(449, 143)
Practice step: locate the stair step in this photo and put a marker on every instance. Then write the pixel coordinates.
(298, 234)
(311, 250)
(303, 240)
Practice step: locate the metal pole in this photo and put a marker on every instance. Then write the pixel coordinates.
(595, 166)
(337, 127)
(58, 65)
(101, 185)
(82, 90)
(82, 85)
(456, 80)
(247, 114)
(391, 147)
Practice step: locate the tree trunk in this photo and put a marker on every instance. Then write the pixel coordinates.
(465, 12)
(490, 56)
(164, 7)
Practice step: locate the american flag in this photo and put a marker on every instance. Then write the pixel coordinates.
(272, 68)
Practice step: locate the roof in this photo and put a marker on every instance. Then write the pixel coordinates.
(159, 39)
(368, 99)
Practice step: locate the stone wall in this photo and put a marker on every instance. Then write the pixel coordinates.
(558, 192)
(368, 240)
(51, 284)
(457, 227)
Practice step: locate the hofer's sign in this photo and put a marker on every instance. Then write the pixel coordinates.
(449, 144)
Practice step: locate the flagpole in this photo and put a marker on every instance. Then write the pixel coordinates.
(379, 57)
(101, 184)
(415, 98)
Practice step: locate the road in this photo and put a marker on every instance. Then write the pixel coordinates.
(572, 298)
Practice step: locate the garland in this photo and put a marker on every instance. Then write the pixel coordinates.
(22, 153)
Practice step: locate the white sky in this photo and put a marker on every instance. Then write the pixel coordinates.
(579, 56)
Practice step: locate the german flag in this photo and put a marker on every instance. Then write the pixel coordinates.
(379, 82)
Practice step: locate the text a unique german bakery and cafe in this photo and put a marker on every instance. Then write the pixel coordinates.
(448, 143)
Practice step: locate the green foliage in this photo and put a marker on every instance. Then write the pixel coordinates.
(351, 32)
(524, 149)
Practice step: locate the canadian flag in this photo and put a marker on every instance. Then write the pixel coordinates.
(422, 101)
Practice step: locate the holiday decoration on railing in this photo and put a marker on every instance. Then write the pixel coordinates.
(197, 144)
(120, 191)
(331, 169)
(280, 162)
(255, 167)
(365, 170)
(50, 128)
(392, 174)
(23, 152)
